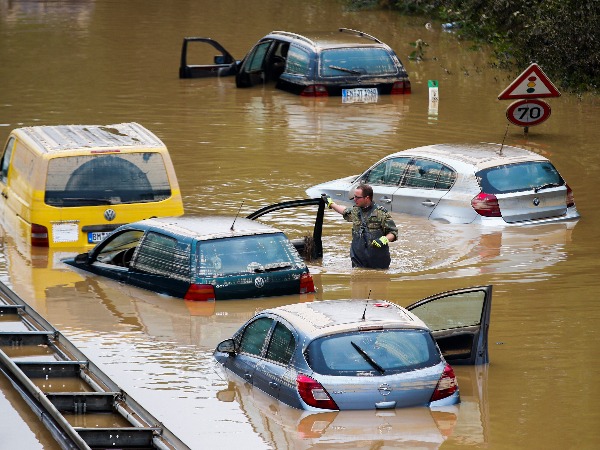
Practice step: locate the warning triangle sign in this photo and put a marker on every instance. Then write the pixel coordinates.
(532, 83)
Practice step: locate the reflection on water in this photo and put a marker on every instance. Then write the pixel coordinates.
(88, 62)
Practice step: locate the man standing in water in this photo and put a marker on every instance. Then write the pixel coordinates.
(372, 229)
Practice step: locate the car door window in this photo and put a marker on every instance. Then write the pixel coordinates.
(6, 160)
(422, 173)
(255, 334)
(388, 173)
(446, 178)
(257, 56)
(163, 255)
(297, 61)
(281, 345)
(459, 321)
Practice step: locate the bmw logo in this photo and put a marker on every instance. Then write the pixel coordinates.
(259, 282)
(536, 201)
(110, 214)
(384, 389)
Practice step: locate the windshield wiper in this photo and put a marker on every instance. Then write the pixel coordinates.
(344, 69)
(544, 186)
(364, 354)
(85, 201)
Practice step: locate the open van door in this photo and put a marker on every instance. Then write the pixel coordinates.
(459, 321)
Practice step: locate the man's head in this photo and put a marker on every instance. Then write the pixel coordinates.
(363, 195)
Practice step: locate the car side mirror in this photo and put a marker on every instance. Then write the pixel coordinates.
(219, 59)
(227, 346)
(82, 258)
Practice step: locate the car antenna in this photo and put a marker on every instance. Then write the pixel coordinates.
(503, 139)
(236, 216)
(366, 304)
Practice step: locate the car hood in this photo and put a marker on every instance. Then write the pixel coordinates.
(338, 190)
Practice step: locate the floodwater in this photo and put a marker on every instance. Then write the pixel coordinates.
(103, 62)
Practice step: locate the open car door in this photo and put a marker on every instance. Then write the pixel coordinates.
(223, 64)
(459, 321)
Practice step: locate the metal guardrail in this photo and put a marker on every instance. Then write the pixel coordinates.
(97, 395)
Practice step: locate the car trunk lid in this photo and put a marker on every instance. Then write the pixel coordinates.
(533, 204)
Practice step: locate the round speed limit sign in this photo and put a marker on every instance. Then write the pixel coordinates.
(526, 113)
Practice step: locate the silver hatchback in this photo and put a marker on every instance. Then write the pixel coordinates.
(362, 354)
(490, 184)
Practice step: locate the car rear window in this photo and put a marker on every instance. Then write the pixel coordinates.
(246, 254)
(519, 177)
(107, 179)
(372, 352)
(357, 61)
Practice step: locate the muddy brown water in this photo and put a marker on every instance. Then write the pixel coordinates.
(106, 62)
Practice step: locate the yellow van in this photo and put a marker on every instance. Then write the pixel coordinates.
(71, 185)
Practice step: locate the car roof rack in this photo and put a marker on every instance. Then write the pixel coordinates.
(360, 33)
(295, 36)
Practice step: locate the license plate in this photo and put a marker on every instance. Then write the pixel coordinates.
(359, 95)
(96, 236)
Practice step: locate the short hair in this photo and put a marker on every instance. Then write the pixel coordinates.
(366, 189)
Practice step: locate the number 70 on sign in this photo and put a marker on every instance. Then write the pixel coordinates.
(526, 113)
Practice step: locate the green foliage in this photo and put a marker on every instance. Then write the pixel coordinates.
(560, 35)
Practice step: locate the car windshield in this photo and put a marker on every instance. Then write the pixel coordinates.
(357, 61)
(367, 353)
(519, 177)
(246, 254)
(107, 179)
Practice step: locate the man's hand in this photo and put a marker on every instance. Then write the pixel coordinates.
(327, 200)
(380, 242)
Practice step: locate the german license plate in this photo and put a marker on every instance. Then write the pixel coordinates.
(96, 236)
(359, 95)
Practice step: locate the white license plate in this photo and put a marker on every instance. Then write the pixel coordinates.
(359, 95)
(96, 236)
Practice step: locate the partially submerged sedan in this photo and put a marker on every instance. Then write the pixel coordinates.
(201, 258)
(362, 354)
(490, 184)
(347, 63)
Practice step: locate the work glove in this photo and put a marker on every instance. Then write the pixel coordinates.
(327, 200)
(382, 241)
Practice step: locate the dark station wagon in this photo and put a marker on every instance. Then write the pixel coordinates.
(348, 63)
(201, 258)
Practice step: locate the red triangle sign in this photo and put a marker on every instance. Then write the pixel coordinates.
(532, 83)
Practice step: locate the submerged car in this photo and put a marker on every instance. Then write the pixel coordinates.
(347, 63)
(362, 354)
(200, 258)
(490, 184)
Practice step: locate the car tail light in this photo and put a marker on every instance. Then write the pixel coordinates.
(401, 87)
(39, 235)
(486, 205)
(570, 197)
(315, 90)
(446, 386)
(200, 292)
(306, 283)
(313, 393)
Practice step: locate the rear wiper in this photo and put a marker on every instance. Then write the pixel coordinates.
(276, 266)
(364, 354)
(544, 186)
(344, 69)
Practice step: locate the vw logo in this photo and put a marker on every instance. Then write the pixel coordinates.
(384, 389)
(259, 282)
(536, 201)
(110, 214)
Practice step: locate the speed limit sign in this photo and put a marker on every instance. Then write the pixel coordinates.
(529, 112)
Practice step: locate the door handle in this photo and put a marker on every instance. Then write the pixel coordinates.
(428, 203)
(273, 385)
(385, 200)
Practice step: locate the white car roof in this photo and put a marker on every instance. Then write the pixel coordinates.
(480, 156)
(320, 318)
